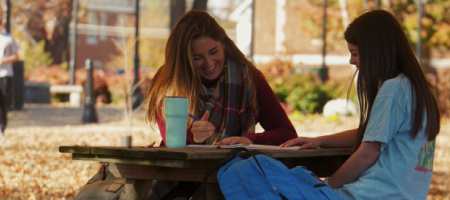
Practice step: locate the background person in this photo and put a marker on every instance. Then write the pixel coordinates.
(9, 54)
(399, 120)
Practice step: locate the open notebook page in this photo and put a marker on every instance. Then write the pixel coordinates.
(247, 146)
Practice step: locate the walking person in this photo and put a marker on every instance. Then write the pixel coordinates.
(8, 55)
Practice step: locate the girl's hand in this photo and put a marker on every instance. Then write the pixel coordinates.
(304, 142)
(202, 129)
(234, 140)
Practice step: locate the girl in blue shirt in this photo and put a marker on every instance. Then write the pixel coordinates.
(394, 143)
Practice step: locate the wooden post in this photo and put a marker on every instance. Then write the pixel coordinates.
(323, 71)
(90, 114)
(73, 41)
(136, 94)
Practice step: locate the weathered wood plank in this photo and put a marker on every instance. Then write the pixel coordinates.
(171, 154)
(194, 172)
(109, 151)
(139, 152)
(75, 149)
(194, 154)
(113, 159)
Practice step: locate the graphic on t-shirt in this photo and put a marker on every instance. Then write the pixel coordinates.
(426, 157)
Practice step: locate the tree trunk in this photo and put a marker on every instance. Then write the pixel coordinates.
(377, 4)
(344, 13)
(177, 9)
(366, 4)
(58, 45)
(199, 5)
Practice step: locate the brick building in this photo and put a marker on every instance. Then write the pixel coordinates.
(105, 20)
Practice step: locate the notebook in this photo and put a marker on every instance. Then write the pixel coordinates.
(247, 146)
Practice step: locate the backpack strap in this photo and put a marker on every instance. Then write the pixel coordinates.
(320, 185)
(104, 170)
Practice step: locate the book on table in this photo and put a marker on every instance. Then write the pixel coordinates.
(247, 146)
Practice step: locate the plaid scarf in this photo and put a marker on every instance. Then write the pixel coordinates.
(230, 103)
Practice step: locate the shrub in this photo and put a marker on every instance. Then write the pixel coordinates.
(341, 87)
(302, 90)
(306, 93)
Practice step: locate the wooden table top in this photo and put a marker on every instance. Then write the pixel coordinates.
(162, 156)
(190, 164)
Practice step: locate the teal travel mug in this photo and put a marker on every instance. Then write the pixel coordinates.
(176, 111)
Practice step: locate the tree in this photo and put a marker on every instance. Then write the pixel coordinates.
(178, 8)
(199, 5)
(436, 20)
(45, 20)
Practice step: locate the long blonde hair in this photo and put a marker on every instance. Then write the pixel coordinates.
(178, 77)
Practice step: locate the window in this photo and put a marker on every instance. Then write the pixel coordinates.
(103, 24)
(92, 30)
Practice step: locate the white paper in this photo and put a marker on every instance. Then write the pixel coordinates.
(247, 146)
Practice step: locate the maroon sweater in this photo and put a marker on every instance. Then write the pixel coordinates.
(272, 118)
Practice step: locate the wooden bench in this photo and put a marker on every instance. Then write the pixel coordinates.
(74, 92)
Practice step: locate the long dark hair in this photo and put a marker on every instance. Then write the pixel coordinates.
(384, 52)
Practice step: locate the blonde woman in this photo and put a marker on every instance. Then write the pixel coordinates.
(226, 92)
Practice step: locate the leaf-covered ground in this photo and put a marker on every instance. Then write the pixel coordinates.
(32, 168)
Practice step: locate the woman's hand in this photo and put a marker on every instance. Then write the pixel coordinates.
(304, 142)
(234, 140)
(202, 129)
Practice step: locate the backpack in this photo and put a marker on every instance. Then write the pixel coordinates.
(103, 185)
(261, 177)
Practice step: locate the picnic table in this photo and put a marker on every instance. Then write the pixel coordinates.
(190, 164)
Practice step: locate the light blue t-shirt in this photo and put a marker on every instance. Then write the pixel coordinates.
(404, 168)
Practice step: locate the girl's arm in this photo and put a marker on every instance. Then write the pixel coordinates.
(341, 139)
(364, 157)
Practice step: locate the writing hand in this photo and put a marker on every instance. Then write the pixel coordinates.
(202, 129)
(235, 140)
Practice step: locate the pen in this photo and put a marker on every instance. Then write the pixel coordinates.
(193, 117)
